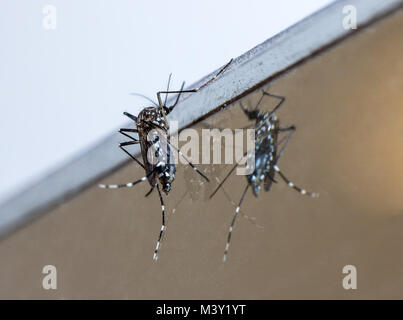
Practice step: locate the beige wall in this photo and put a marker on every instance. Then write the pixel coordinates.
(347, 105)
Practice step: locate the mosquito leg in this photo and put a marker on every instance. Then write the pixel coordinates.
(180, 153)
(128, 130)
(250, 219)
(186, 159)
(149, 192)
(196, 89)
(123, 132)
(170, 92)
(223, 181)
(282, 99)
(180, 201)
(151, 124)
(123, 144)
(285, 139)
(190, 164)
(258, 103)
(227, 176)
(292, 185)
(233, 224)
(155, 257)
(166, 96)
(250, 114)
(128, 143)
(190, 90)
(177, 98)
(290, 128)
(127, 114)
(216, 75)
(129, 136)
(128, 185)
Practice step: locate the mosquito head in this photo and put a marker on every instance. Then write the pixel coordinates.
(166, 110)
(253, 115)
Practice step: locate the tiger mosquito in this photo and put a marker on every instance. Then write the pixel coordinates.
(161, 173)
(267, 154)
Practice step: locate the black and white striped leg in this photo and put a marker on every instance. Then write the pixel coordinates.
(187, 91)
(180, 201)
(163, 226)
(227, 176)
(192, 165)
(233, 224)
(292, 185)
(192, 90)
(187, 160)
(128, 185)
(223, 181)
(250, 219)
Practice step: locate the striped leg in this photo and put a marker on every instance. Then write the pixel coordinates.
(227, 176)
(128, 185)
(180, 201)
(233, 224)
(292, 185)
(163, 226)
(250, 219)
(186, 91)
(190, 164)
(192, 90)
(187, 160)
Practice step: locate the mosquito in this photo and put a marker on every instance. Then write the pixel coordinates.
(152, 129)
(267, 154)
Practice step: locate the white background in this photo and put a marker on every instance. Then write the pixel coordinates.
(62, 90)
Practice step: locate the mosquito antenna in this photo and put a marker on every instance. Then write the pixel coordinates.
(177, 97)
(145, 97)
(166, 95)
